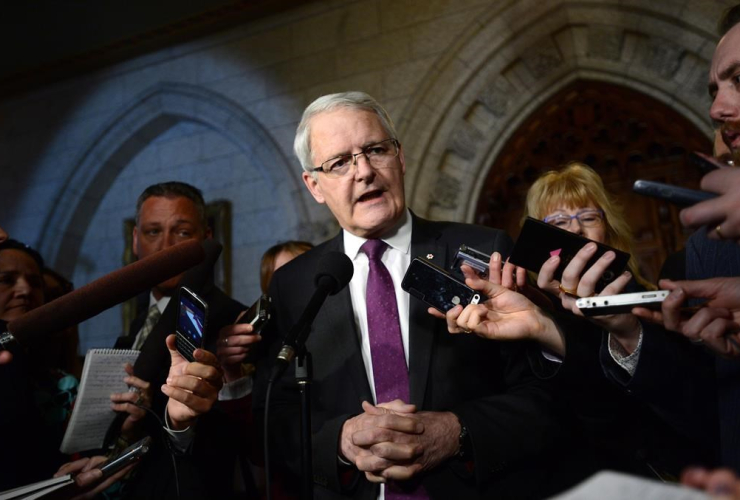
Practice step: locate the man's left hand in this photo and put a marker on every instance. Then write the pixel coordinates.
(192, 387)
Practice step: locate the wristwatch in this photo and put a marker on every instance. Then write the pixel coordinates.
(465, 446)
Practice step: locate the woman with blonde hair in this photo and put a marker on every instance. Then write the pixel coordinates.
(603, 426)
(598, 216)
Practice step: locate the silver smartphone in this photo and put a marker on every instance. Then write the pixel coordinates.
(128, 456)
(623, 303)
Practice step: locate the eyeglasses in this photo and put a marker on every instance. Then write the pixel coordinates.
(379, 155)
(586, 218)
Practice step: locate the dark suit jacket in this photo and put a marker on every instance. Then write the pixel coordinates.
(693, 390)
(208, 471)
(488, 385)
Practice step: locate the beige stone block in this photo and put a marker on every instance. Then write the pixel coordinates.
(441, 34)
(310, 71)
(373, 54)
(249, 87)
(264, 48)
(404, 79)
(370, 82)
(397, 14)
(490, 37)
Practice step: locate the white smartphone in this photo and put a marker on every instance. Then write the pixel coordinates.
(623, 303)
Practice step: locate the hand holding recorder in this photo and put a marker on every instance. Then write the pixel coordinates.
(236, 341)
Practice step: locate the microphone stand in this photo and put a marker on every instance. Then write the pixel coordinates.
(304, 377)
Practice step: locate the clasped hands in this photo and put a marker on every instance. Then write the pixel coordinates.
(394, 442)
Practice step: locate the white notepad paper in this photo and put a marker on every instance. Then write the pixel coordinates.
(102, 375)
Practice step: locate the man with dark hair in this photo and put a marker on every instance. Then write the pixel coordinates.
(167, 214)
(729, 18)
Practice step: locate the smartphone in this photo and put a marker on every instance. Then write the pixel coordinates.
(192, 319)
(538, 241)
(258, 315)
(437, 287)
(622, 303)
(128, 456)
(706, 163)
(469, 256)
(681, 196)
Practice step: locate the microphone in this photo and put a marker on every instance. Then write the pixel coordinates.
(103, 293)
(334, 271)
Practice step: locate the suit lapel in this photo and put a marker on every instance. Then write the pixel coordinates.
(425, 240)
(339, 317)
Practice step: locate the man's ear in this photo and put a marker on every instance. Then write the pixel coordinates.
(313, 186)
(135, 242)
(402, 159)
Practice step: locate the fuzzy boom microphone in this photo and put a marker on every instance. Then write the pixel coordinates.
(103, 293)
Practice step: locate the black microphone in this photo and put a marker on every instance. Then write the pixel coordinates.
(334, 271)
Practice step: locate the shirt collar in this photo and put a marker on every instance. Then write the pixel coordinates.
(161, 303)
(399, 238)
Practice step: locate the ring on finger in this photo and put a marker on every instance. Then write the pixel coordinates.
(465, 330)
(568, 291)
(139, 400)
(225, 341)
(718, 229)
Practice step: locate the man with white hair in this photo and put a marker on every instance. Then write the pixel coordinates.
(396, 399)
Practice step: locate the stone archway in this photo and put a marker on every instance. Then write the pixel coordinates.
(152, 113)
(622, 134)
(522, 54)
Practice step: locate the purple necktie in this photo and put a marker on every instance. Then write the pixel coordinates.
(386, 346)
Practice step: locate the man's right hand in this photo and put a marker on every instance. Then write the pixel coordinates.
(5, 357)
(234, 344)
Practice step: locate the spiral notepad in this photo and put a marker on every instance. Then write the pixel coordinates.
(102, 375)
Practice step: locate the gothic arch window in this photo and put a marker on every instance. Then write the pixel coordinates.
(624, 135)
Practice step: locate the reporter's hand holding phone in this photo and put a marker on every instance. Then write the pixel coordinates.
(506, 315)
(716, 324)
(234, 344)
(89, 478)
(624, 327)
(720, 214)
(193, 387)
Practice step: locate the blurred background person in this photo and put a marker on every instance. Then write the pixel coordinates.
(235, 352)
(29, 450)
(277, 256)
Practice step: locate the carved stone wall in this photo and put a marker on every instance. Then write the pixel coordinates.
(521, 53)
